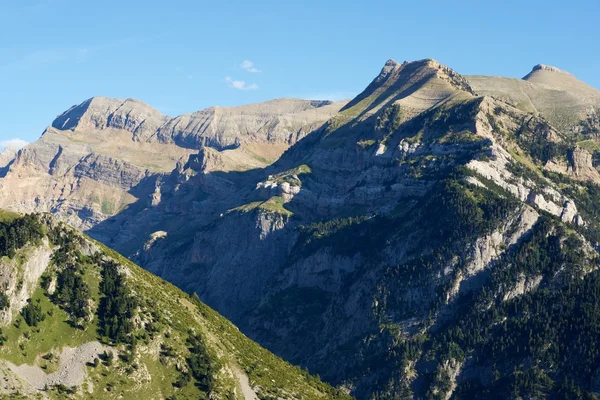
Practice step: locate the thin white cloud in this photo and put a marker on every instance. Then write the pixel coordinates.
(15, 143)
(240, 85)
(249, 66)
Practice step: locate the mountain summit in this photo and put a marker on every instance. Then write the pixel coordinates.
(536, 70)
(100, 113)
(420, 83)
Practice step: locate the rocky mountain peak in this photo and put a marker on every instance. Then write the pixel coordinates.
(544, 67)
(389, 66)
(396, 81)
(99, 113)
(577, 94)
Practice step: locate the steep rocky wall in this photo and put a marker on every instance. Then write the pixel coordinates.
(20, 276)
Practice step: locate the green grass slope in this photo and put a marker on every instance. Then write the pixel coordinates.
(97, 326)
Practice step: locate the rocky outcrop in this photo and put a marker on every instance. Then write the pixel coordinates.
(19, 279)
(523, 286)
(580, 165)
(109, 171)
(487, 249)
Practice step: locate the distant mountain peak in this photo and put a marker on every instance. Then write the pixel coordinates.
(389, 66)
(103, 112)
(6, 156)
(544, 67)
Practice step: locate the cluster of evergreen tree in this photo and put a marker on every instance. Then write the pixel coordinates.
(4, 301)
(72, 293)
(457, 213)
(19, 232)
(200, 365)
(586, 195)
(534, 139)
(340, 234)
(117, 305)
(32, 313)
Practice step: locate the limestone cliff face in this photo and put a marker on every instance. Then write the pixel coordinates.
(278, 121)
(580, 165)
(109, 171)
(20, 279)
(239, 275)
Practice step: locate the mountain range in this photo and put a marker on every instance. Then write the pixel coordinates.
(434, 237)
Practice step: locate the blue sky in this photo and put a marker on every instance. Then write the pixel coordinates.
(181, 56)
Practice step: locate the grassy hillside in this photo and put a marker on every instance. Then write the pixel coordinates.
(96, 325)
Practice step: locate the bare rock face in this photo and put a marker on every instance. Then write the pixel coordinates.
(277, 121)
(228, 281)
(110, 171)
(100, 113)
(580, 165)
(20, 286)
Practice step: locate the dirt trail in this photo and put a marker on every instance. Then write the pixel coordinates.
(242, 378)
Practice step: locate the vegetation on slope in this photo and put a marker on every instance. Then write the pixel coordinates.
(158, 342)
(539, 344)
